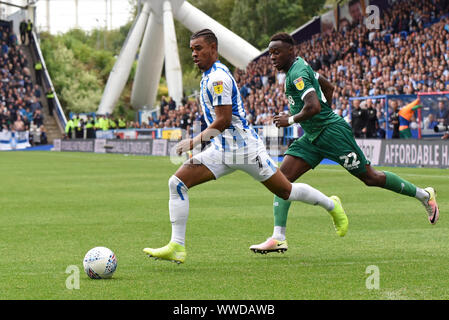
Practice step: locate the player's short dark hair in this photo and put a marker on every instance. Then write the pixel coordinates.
(353, 2)
(207, 34)
(284, 37)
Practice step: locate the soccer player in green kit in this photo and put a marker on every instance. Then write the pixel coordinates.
(327, 135)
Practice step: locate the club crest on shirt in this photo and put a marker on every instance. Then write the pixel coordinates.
(299, 83)
(218, 87)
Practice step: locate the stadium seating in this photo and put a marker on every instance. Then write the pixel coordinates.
(361, 62)
(20, 106)
(360, 67)
(407, 55)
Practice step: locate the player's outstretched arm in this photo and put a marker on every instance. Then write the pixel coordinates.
(311, 107)
(327, 88)
(222, 122)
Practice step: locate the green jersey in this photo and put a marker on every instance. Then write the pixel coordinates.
(299, 81)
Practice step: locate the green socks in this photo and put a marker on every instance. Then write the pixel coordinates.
(399, 185)
(393, 183)
(280, 211)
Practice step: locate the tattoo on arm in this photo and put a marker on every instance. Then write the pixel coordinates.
(327, 88)
(311, 107)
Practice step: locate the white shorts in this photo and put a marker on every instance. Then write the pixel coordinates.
(257, 163)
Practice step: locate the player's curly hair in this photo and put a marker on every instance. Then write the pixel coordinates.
(208, 35)
(284, 37)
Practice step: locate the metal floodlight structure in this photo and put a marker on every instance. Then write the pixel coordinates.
(154, 32)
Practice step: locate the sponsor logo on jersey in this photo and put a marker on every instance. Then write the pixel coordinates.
(218, 87)
(299, 83)
(291, 101)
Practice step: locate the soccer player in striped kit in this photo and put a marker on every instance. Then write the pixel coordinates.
(234, 146)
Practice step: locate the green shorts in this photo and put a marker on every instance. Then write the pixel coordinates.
(336, 142)
(405, 134)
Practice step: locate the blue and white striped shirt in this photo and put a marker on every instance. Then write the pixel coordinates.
(219, 88)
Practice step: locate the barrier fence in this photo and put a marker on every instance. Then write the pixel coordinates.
(406, 152)
(394, 152)
(271, 135)
(423, 120)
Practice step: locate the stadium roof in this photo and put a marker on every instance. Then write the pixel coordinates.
(18, 3)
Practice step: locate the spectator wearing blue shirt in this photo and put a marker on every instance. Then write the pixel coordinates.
(35, 105)
(29, 114)
(373, 59)
(244, 91)
(37, 91)
(446, 27)
(361, 50)
(443, 114)
(22, 111)
(430, 122)
(5, 48)
(12, 39)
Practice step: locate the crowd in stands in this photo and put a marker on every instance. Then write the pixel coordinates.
(170, 116)
(84, 127)
(408, 54)
(20, 106)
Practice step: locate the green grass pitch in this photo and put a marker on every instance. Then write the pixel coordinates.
(54, 207)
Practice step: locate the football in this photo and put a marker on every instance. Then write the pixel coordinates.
(100, 263)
